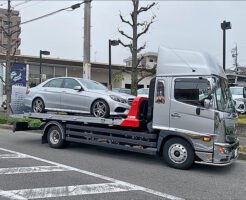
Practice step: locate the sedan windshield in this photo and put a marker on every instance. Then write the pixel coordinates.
(143, 91)
(92, 85)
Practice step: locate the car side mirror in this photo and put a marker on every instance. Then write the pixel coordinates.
(78, 88)
(207, 103)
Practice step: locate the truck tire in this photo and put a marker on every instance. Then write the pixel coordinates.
(178, 153)
(54, 137)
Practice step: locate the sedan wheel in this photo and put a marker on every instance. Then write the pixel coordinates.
(38, 106)
(100, 109)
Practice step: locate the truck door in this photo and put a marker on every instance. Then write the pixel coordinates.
(161, 104)
(187, 113)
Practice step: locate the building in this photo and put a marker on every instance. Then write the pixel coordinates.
(15, 21)
(236, 76)
(149, 59)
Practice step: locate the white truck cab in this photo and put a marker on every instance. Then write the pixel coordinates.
(192, 101)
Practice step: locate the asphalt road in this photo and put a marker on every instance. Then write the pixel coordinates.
(31, 170)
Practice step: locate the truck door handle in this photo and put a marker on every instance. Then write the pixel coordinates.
(176, 115)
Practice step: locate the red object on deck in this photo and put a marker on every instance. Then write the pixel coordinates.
(132, 117)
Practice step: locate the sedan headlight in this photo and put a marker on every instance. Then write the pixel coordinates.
(119, 99)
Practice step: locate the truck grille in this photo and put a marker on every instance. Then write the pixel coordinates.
(130, 100)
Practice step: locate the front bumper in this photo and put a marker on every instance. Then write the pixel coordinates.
(218, 157)
(117, 108)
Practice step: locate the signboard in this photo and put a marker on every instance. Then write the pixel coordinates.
(18, 74)
(17, 99)
(87, 71)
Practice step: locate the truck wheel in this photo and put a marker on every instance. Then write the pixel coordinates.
(178, 153)
(38, 106)
(54, 138)
(100, 109)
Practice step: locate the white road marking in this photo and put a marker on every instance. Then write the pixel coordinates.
(126, 184)
(76, 190)
(9, 195)
(6, 156)
(36, 169)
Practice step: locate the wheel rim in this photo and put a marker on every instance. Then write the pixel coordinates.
(177, 153)
(38, 106)
(54, 137)
(99, 109)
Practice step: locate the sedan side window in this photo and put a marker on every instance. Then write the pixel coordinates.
(70, 83)
(54, 83)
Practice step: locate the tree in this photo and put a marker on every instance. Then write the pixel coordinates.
(11, 48)
(138, 73)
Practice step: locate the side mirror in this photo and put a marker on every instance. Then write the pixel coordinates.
(207, 103)
(78, 88)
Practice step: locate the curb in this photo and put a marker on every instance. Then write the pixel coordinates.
(6, 126)
(242, 156)
(10, 127)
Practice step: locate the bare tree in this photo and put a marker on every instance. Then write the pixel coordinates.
(11, 48)
(138, 73)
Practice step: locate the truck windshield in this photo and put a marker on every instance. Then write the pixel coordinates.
(223, 96)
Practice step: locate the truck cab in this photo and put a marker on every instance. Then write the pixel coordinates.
(193, 105)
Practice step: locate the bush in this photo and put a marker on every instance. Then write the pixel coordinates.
(32, 123)
(242, 119)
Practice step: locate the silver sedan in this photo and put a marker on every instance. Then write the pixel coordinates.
(77, 95)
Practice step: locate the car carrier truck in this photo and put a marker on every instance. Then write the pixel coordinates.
(189, 116)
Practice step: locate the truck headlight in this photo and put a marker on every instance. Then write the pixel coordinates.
(118, 99)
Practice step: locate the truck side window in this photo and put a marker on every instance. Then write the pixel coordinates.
(192, 91)
(160, 92)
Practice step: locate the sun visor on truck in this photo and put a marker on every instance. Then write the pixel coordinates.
(185, 62)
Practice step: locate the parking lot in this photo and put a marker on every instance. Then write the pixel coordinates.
(30, 170)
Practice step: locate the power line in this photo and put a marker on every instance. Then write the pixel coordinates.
(73, 7)
(22, 3)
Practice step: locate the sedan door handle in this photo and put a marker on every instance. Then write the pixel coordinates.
(176, 115)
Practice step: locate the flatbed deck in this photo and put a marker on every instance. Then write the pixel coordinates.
(74, 118)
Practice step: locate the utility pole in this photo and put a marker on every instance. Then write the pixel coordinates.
(225, 26)
(87, 39)
(8, 62)
(234, 53)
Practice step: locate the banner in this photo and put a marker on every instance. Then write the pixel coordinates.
(18, 74)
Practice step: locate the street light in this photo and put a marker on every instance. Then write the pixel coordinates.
(225, 26)
(40, 68)
(111, 43)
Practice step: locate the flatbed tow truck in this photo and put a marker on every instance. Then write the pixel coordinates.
(189, 116)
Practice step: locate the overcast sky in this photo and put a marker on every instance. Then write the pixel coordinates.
(180, 24)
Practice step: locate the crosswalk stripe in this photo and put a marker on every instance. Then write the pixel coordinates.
(9, 195)
(115, 181)
(6, 156)
(36, 169)
(75, 190)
